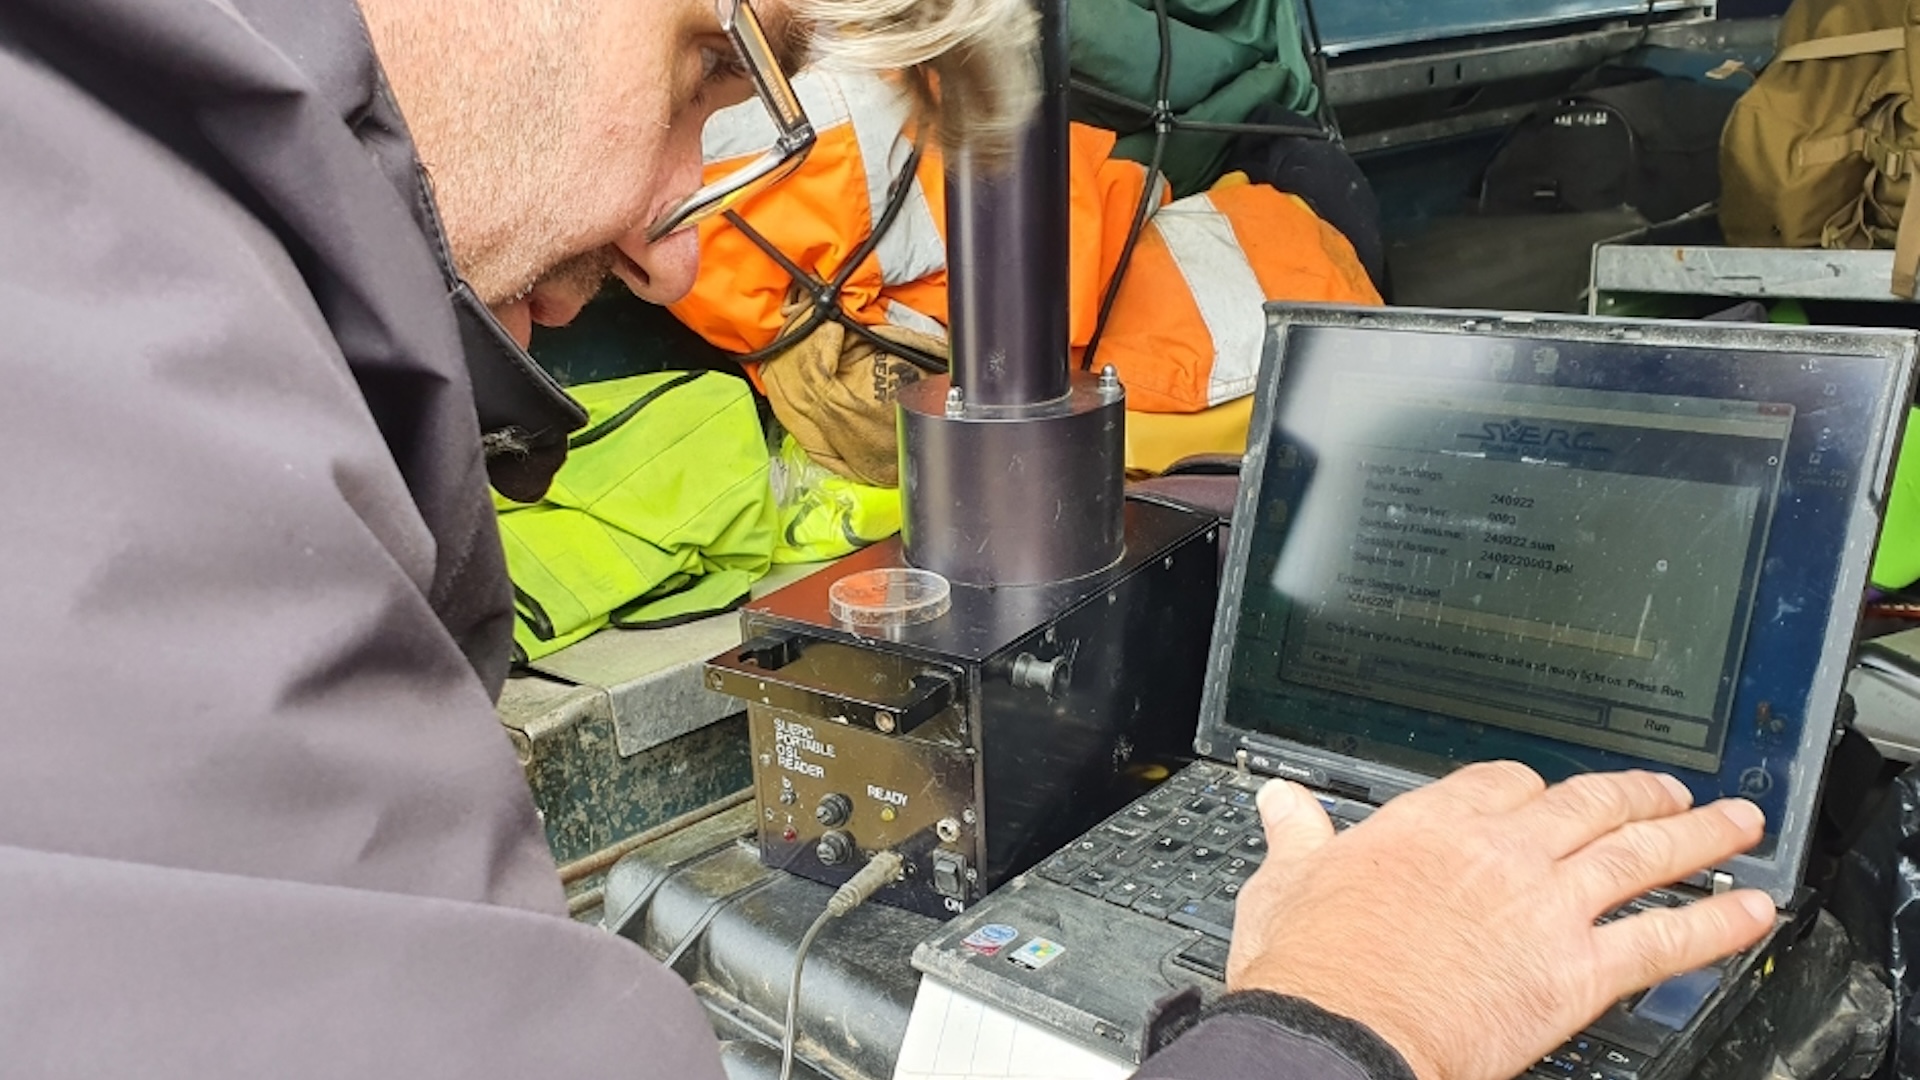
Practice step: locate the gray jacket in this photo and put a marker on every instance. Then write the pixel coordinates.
(257, 818)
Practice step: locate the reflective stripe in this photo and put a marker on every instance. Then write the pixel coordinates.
(878, 113)
(906, 318)
(912, 249)
(745, 129)
(1223, 287)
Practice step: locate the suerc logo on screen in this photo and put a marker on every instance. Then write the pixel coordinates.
(1514, 436)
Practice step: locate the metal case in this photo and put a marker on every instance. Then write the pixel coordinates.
(1685, 268)
(597, 800)
(978, 742)
(1347, 27)
(1460, 68)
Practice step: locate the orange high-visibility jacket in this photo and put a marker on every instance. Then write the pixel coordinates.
(1185, 331)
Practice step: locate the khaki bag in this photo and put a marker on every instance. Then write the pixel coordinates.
(1821, 151)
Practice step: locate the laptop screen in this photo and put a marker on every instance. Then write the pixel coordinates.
(1578, 554)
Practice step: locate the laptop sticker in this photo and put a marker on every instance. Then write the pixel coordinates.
(991, 938)
(1037, 953)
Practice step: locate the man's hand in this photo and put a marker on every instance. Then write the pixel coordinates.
(1457, 922)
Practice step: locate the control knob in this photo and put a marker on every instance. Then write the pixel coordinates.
(833, 810)
(835, 848)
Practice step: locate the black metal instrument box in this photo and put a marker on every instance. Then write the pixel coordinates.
(978, 742)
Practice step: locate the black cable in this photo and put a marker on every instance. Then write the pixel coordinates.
(1647, 16)
(816, 314)
(1210, 127)
(828, 296)
(1163, 121)
(790, 1034)
(881, 870)
(1182, 123)
(824, 296)
(1138, 226)
(920, 358)
(1317, 62)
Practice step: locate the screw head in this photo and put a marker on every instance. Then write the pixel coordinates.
(885, 722)
(713, 680)
(967, 815)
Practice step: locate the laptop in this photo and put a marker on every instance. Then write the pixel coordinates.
(1583, 544)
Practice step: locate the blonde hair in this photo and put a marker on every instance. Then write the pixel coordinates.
(969, 64)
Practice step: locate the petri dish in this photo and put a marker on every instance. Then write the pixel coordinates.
(878, 602)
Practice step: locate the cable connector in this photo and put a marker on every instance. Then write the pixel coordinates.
(881, 870)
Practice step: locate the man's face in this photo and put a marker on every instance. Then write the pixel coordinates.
(553, 128)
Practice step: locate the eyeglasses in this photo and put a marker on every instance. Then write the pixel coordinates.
(795, 137)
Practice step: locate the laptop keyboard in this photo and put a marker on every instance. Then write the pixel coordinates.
(1179, 853)
(1182, 852)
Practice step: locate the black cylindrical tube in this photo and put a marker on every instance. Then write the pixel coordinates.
(1022, 500)
(1010, 472)
(1008, 235)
